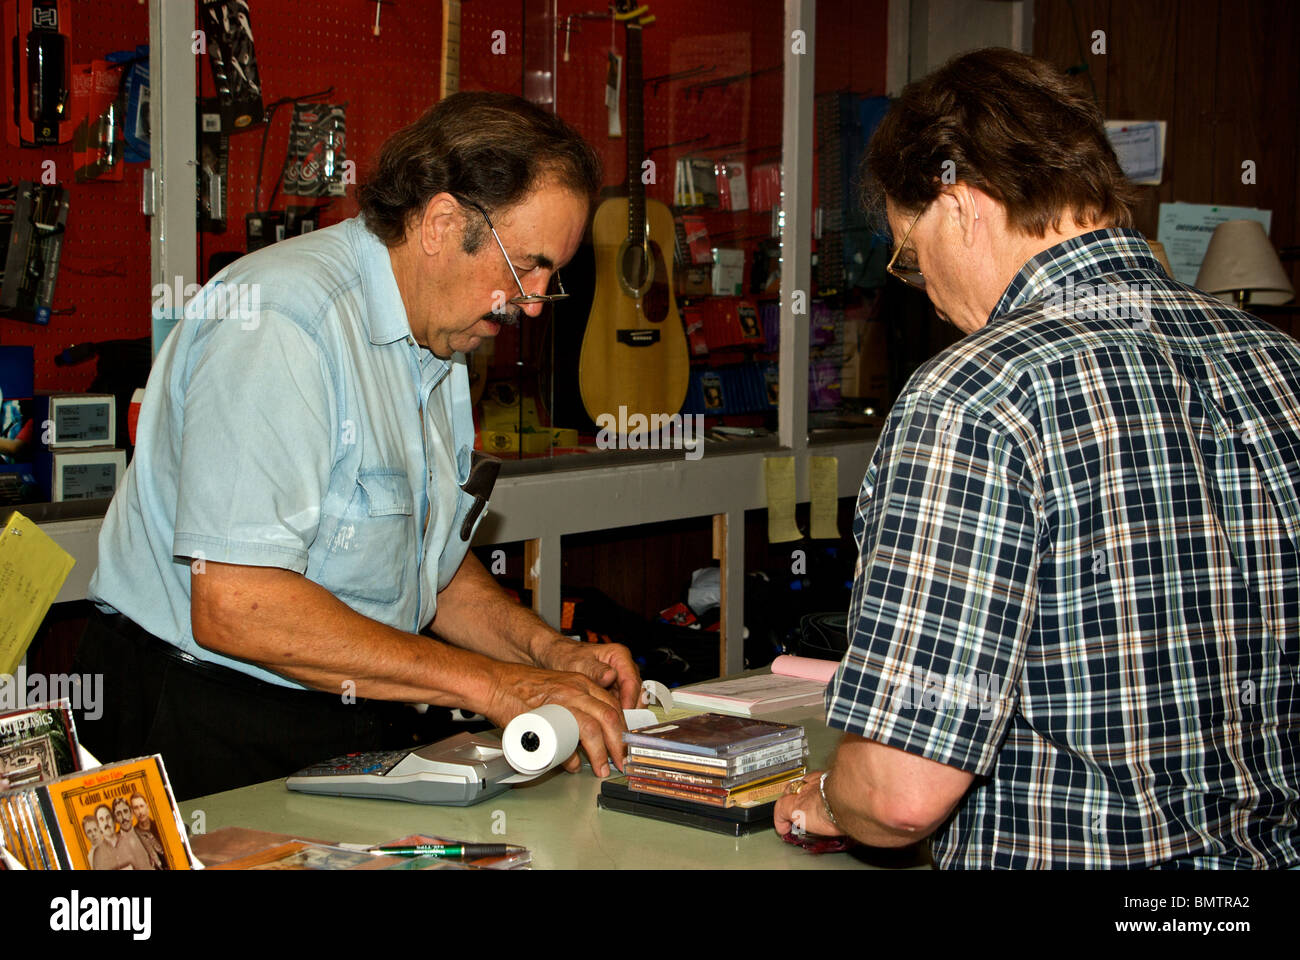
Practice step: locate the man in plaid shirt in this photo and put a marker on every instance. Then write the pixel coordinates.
(1073, 632)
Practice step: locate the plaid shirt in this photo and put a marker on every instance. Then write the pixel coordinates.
(1078, 575)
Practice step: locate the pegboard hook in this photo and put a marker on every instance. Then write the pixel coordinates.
(588, 15)
(379, 5)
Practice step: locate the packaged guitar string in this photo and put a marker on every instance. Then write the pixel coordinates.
(317, 150)
(229, 34)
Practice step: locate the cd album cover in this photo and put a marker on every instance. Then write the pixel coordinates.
(714, 734)
(135, 821)
(37, 744)
(301, 855)
(117, 817)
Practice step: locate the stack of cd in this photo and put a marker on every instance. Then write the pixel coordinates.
(716, 760)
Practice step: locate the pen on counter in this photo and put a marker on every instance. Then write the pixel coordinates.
(463, 851)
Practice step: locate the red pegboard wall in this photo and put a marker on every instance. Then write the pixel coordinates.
(852, 44)
(387, 81)
(104, 268)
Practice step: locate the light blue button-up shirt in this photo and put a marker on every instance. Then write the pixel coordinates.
(290, 420)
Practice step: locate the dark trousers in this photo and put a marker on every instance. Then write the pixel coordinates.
(217, 728)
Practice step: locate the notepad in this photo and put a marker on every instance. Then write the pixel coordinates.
(751, 696)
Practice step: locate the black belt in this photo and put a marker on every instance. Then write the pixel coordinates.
(124, 626)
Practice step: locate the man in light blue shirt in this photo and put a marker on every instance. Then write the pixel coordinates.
(293, 516)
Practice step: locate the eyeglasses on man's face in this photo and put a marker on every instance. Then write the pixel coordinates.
(903, 264)
(524, 299)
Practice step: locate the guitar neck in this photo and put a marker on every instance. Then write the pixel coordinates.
(450, 49)
(635, 137)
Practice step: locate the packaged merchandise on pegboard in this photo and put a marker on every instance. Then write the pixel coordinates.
(317, 150)
(826, 356)
(36, 234)
(97, 121)
(214, 167)
(38, 53)
(8, 203)
(229, 39)
(133, 101)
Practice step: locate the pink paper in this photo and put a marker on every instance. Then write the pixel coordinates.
(805, 667)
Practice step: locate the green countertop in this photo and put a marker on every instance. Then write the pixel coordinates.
(556, 817)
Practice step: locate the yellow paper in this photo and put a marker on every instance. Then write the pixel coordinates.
(32, 570)
(823, 479)
(780, 500)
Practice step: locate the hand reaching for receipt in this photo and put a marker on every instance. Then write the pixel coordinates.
(519, 689)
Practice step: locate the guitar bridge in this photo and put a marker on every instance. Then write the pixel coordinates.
(638, 338)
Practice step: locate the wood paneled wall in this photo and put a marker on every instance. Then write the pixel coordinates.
(1223, 74)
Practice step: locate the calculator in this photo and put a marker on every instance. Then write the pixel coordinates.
(460, 771)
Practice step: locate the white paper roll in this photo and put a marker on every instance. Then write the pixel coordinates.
(536, 741)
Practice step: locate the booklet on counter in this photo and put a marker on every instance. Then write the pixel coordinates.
(751, 696)
(793, 682)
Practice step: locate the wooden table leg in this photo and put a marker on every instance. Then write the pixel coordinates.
(542, 577)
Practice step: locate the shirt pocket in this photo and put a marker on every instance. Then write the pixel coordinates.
(370, 550)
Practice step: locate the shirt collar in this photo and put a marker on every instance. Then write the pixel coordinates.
(1116, 252)
(385, 316)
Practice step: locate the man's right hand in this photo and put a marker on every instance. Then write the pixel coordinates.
(518, 689)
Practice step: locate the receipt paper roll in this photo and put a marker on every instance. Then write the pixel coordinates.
(540, 739)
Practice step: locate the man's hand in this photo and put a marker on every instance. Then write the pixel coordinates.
(803, 811)
(518, 689)
(609, 664)
(476, 614)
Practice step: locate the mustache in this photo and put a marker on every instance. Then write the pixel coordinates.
(509, 319)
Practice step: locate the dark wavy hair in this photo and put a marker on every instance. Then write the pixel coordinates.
(492, 149)
(1015, 127)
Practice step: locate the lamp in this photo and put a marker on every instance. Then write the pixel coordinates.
(1241, 263)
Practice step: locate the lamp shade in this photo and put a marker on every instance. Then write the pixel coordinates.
(1241, 258)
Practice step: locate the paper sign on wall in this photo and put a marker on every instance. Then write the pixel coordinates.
(779, 473)
(1139, 147)
(1186, 228)
(823, 481)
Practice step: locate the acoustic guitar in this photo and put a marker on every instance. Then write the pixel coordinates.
(634, 352)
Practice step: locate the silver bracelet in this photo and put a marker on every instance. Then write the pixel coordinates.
(826, 805)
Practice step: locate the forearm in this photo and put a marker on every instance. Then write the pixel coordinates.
(860, 806)
(879, 795)
(887, 797)
(475, 613)
(284, 622)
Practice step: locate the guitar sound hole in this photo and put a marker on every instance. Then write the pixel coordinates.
(655, 302)
(632, 267)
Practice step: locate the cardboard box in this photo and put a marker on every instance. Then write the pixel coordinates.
(76, 420)
(81, 474)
